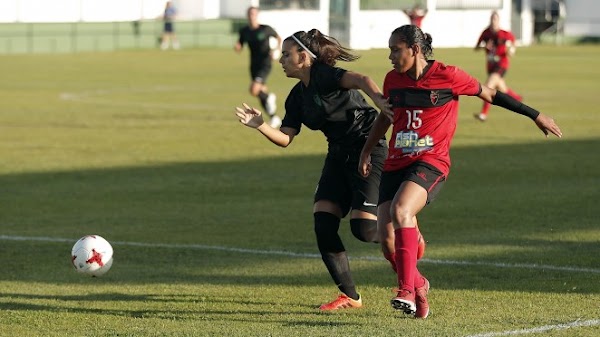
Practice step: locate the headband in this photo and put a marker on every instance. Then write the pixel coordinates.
(304, 47)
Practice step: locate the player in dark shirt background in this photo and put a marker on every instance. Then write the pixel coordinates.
(423, 95)
(326, 99)
(258, 37)
(499, 45)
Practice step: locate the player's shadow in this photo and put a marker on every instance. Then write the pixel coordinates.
(193, 306)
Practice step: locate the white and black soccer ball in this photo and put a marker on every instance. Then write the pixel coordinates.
(92, 255)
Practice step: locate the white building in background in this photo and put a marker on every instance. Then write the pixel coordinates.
(452, 23)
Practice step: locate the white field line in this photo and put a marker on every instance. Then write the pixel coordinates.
(305, 255)
(545, 328)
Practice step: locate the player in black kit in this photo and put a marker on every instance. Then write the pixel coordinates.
(259, 37)
(326, 99)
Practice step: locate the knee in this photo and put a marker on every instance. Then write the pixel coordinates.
(364, 229)
(401, 215)
(326, 230)
(326, 225)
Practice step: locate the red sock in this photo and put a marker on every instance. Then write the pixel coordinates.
(485, 108)
(392, 258)
(406, 257)
(514, 95)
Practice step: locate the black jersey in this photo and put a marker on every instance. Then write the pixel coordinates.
(343, 115)
(258, 41)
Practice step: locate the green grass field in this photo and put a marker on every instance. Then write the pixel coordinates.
(212, 225)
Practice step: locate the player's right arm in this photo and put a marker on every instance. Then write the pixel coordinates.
(239, 44)
(479, 45)
(252, 117)
(237, 47)
(380, 127)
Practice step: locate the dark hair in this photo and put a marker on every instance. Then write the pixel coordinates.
(326, 48)
(412, 35)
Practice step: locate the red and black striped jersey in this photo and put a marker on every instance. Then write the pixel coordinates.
(497, 48)
(425, 114)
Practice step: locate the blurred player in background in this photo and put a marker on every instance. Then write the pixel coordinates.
(259, 39)
(416, 14)
(326, 99)
(499, 45)
(168, 37)
(424, 96)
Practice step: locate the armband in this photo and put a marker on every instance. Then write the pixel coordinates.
(507, 102)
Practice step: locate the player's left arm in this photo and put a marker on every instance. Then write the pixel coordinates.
(543, 122)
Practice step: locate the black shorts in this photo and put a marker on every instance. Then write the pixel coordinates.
(423, 174)
(260, 72)
(496, 68)
(168, 27)
(342, 184)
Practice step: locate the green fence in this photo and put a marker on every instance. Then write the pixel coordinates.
(18, 38)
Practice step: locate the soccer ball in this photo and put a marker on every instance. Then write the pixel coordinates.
(92, 255)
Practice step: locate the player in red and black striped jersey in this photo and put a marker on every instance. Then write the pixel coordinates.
(499, 45)
(416, 14)
(326, 99)
(423, 95)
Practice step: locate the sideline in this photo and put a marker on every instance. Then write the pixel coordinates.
(306, 255)
(545, 328)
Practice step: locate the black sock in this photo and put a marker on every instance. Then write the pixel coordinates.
(333, 252)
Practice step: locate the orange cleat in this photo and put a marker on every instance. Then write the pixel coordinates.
(342, 302)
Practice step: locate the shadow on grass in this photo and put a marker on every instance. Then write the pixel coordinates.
(539, 198)
(201, 307)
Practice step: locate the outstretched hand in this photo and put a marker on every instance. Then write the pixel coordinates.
(547, 124)
(249, 116)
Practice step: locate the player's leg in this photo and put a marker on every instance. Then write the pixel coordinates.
(418, 187)
(259, 89)
(390, 183)
(502, 86)
(385, 230)
(330, 206)
(408, 201)
(365, 193)
(493, 80)
(174, 40)
(167, 35)
(164, 42)
(333, 253)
